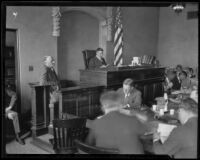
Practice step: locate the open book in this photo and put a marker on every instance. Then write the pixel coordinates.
(165, 130)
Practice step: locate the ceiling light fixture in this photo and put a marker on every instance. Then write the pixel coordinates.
(178, 7)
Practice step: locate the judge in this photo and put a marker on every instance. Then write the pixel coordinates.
(98, 61)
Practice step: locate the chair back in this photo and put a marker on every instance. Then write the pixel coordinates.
(66, 131)
(87, 55)
(84, 148)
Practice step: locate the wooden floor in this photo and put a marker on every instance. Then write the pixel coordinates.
(43, 143)
(14, 147)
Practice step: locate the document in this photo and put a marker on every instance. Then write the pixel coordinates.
(165, 130)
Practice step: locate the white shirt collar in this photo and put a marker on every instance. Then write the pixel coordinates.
(127, 95)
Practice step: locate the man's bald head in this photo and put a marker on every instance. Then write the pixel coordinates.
(49, 61)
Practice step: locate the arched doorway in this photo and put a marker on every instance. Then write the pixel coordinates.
(97, 12)
(79, 30)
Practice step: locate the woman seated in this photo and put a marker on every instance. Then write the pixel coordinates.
(185, 81)
(172, 82)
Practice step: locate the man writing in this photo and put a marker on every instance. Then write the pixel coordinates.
(98, 61)
(131, 97)
(182, 141)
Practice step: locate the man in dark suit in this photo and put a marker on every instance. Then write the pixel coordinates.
(179, 69)
(98, 61)
(11, 98)
(131, 97)
(115, 129)
(172, 82)
(49, 77)
(182, 142)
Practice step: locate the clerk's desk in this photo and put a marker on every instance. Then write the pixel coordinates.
(148, 79)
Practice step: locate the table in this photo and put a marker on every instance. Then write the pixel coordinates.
(151, 124)
(147, 140)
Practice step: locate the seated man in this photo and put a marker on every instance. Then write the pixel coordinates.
(115, 129)
(172, 82)
(10, 114)
(98, 61)
(131, 97)
(49, 77)
(190, 72)
(179, 69)
(185, 81)
(182, 142)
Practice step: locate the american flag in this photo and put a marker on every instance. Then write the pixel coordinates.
(118, 38)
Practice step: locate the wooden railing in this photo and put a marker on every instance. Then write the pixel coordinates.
(40, 107)
(82, 100)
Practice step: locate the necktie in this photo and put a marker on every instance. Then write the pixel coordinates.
(103, 61)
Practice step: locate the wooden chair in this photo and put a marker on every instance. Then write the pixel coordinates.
(88, 149)
(65, 131)
(87, 55)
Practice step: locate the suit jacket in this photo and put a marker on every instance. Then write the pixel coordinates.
(134, 99)
(10, 98)
(176, 83)
(118, 131)
(96, 63)
(49, 76)
(182, 142)
(186, 83)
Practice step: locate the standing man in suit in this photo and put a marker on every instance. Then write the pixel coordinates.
(131, 97)
(49, 77)
(11, 98)
(98, 61)
(182, 142)
(115, 129)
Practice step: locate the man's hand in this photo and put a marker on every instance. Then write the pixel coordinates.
(8, 108)
(156, 136)
(170, 85)
(104, 66)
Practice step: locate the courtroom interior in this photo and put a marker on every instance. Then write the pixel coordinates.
(101, 79)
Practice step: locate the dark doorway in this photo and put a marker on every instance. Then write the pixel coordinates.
(11, 64)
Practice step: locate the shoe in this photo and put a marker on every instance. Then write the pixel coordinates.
(20, 141)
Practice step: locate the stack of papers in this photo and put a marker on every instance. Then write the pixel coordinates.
(176, 92)
(165, 130)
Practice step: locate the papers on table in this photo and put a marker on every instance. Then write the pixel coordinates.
(176, 92)
(99, 117)
(165, 130)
